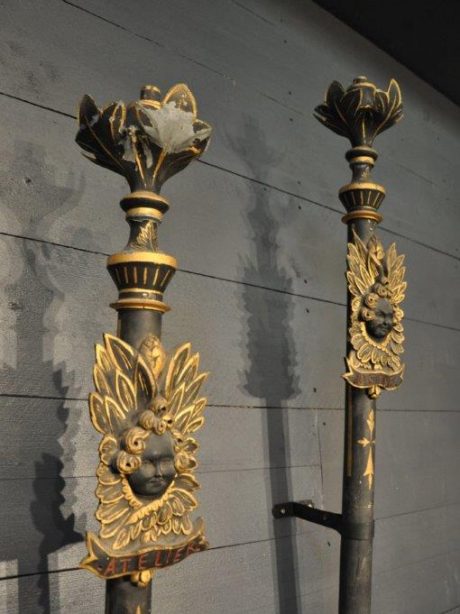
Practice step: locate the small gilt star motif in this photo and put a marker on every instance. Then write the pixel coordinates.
(369, 442)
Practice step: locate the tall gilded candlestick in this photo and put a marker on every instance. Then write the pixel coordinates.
(146, 403)
(376, 287)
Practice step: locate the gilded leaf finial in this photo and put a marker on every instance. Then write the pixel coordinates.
(148, 140)
(361, 111)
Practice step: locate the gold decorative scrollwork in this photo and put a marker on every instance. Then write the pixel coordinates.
(376, 283)
(147, 407)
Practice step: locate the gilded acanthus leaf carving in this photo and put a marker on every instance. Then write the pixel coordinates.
(376, 284)
(147, 140)
(362, 111)
(146, 407)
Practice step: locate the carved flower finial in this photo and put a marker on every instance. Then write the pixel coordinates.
(146, 141)
(362, 111)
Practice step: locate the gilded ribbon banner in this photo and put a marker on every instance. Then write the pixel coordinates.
(108, 565)
(366, 379)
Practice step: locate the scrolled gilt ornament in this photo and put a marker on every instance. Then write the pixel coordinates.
(360, 112)
(148, 140)
(147, 408)
(376, 284)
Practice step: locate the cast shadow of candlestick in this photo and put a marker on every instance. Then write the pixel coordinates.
(39, 419)
(270, 350)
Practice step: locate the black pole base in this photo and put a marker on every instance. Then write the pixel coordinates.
(123, 597)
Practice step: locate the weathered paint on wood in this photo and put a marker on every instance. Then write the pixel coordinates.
(264, 144)
(232, 439)
(251, 233)
(417, 461)
(269, 344)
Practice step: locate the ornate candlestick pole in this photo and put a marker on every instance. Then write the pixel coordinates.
(376, 287)
(146, 405)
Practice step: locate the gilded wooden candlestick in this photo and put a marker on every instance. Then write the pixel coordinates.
(146, 403)
(376, 287)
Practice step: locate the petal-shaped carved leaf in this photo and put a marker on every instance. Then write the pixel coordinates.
(98, 413)
(187, 526)
(187, 481)
(182, 97)
(102, 359)
(192, 391)
(125, 393)
(145, 385)
(121, 353)
(177, 506)
(117, 119)
(116, 415)
(176, 365)
(350, 103)
(93, 136)
(334, 93)
(107, 449)
(187, 499)
(177, 400)
(101, 381)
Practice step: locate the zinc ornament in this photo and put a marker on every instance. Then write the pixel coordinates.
(146, 404)
(148, 140)
(376, 284)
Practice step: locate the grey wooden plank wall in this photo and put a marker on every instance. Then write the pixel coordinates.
(256, 227)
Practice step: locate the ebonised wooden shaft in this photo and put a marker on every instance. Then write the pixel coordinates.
(122, 596)
(358, 492)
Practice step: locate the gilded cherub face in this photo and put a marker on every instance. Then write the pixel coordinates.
(157, 469)
(379, 318)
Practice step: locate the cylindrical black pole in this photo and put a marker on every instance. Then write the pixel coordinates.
(123, 596)
(374, 331)
(358, 490)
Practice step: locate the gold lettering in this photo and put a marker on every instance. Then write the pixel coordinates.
(111, 567)
(142, 563)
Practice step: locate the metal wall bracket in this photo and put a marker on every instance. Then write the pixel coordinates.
(307, 511)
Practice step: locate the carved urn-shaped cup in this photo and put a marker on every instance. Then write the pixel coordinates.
(147, 141)
(360, 113)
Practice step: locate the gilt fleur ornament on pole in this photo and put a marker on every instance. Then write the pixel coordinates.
(376, 288)
(146, 404)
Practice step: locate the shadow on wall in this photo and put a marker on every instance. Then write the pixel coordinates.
(36, 522)
(271, 353)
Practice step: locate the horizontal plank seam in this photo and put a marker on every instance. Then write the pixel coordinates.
(185, 57)
(38, 105)
(417, 562)
(199, 471)
(407, 410)
(224, 279)
(248, 10)
(178, 53)
(238, 545)
(420, 511)
(259, 182)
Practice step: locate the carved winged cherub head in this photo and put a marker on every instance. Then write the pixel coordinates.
(146, 407)
(376, 283)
